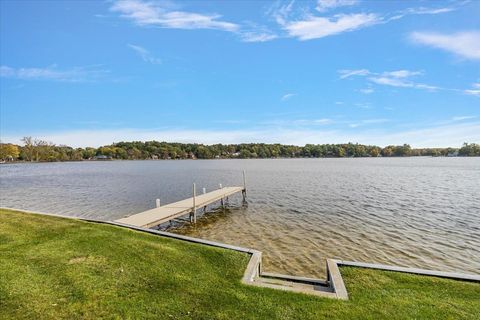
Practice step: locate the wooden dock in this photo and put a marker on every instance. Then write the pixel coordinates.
(168, 212)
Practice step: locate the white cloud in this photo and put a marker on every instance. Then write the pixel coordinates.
(397, 78)
(394, 82)
(367, 122)
(402, 73)
(309, 26)
(349, 73)
(399, 82)
(153, 14)
(315, 122)
(452, 135)
(313, 27)
(475, 91)
(419, 11)
(253, 36)
(288, 96)
(165, 15)
(367, 90)
(75, 74)
(325, 5)
(465, 44)
(461, 118)
(424, 10)
(145, 54)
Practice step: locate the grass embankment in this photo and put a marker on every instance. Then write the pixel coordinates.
(61, 268)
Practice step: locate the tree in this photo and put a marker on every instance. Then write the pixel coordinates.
(9, 152)
(387, 151)
(28, 149)
(469, 150)
(375, 151)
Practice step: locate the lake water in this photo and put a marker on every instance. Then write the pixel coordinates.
(416, 212)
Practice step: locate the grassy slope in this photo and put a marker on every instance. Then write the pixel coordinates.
(61, 268)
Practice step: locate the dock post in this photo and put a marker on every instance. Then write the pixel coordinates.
(157, 203)
(244, 181)
(244, 191)
(194, 209)
(205, 207)
(220, 186)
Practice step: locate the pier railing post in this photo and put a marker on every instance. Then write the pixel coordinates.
(194, 205)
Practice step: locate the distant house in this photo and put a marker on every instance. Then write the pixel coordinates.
(453, 154)
(102, 157)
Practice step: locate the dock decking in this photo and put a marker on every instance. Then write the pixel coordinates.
(162, 214)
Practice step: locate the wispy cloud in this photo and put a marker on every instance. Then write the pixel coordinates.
(307, 25)
(166, 15)
(400, 82)
(461, 118)
(75, 74)
(367, 122)
(257, 36)
(475, 91)
(464, 44)
(325, 5)
(145, 54)
(349, 73)
(314, 122)
(397, 78)
(154, 14)
(288, 96)
(421, 11)
(367, 91)
(313, 27)
(424, 10)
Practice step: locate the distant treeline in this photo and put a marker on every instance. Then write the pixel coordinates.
(39, 150)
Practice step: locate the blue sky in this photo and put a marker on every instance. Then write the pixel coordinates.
(88, 73)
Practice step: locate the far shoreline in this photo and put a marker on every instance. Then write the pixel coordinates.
(227, 159)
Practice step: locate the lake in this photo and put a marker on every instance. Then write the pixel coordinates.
(416, 212)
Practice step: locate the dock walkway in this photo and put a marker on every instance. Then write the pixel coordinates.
(162, 214)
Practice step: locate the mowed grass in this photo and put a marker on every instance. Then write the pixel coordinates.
(52, 268)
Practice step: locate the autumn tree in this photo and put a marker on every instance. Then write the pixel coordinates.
(9, 152)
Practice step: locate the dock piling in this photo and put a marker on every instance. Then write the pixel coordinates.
(244, 191)
(157, 203)
(194, 204)
(244, 181)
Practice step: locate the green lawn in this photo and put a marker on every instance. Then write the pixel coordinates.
(62, 268)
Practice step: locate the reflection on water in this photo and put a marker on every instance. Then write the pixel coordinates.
(418, 212)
